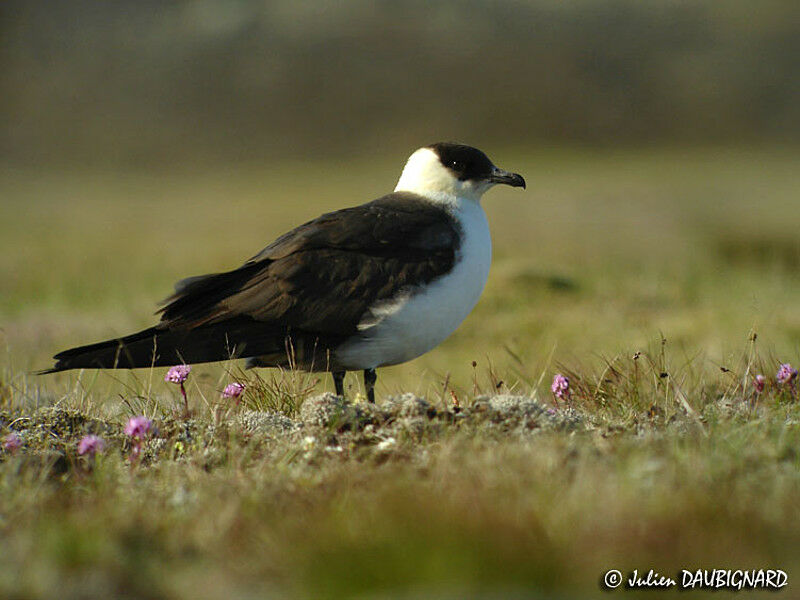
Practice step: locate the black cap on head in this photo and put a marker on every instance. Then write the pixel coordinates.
(469, 163)
(465, 161)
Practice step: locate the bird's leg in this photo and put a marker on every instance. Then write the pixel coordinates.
(370, 377)
(338, 382)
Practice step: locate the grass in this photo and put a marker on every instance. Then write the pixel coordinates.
(643, 275)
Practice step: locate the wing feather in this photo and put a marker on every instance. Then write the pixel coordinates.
(322, 277)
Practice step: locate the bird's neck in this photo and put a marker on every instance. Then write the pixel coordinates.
(441, 197)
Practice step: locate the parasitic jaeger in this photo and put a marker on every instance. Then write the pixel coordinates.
(353, 290)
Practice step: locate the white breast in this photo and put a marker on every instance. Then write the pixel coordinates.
(411, 326)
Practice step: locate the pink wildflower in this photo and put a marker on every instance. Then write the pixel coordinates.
(233, 390)
(560, 387)
(758, 383)
(12, 443)
(138, 427)
(91, 445)
(178, 374)
(786, 374)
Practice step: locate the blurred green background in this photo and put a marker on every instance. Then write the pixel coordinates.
(143, 142)
(148, 82)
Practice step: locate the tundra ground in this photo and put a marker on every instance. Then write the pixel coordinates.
(661, 282)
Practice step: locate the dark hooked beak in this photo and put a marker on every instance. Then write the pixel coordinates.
(512, 179)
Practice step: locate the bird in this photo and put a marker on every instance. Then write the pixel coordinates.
(356, 289)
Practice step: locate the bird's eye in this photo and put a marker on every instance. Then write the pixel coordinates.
(457, 165)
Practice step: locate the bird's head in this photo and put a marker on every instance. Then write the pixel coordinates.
(446, 170)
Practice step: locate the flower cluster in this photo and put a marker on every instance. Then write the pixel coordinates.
(178, 374)
(786, 374)
(233, 390)
(759, 383)
(12, 442)
(138, 427)
(560, 387)
(91, 445)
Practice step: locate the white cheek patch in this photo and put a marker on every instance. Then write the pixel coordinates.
(472, 188)
(424, 172)
(425, 175)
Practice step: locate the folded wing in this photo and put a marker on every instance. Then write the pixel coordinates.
(312, 286)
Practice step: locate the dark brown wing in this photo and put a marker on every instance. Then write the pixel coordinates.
(310, 289)
(321, 277)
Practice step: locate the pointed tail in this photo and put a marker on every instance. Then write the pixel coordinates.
(156, 347)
